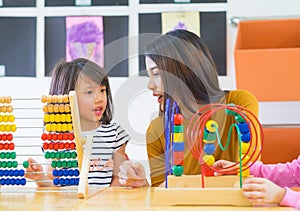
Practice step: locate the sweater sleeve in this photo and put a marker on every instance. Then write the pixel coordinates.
(287, 174)
(291, 199)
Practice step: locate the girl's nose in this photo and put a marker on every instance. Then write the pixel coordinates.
(151, 84)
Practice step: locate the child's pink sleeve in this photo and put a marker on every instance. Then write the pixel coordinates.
(291, 199)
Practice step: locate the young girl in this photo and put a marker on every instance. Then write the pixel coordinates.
(262, 188)
(95, 110)
(181, 68)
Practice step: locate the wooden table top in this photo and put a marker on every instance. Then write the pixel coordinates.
(49, 199)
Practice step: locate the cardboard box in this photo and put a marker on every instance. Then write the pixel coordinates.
(267, 59)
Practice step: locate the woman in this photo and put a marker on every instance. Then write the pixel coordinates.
(180, 67)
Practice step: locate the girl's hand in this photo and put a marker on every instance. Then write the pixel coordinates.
(262, 191)
(34, 171)
(221, 164)
(132, 175)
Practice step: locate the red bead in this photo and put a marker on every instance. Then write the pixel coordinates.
(49, 137)
(71, 136)
(45, 146)
(3, 138)
(44, 136)
(1, 146)
(5, 146)
(65, 136)
(54, 137)
(72, 145)
(61, 145)
(55, 146)
(9, 137)
(50, 145)
(67, 145)
(178, 119)
(60, 137)
(11, 146)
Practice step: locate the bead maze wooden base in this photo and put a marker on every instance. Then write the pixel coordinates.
(186, 190)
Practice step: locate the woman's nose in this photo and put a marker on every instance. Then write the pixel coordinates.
(151, 84)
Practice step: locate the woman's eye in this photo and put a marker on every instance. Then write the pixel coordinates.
(89, 92)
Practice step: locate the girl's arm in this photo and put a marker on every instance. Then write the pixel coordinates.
(118, 158)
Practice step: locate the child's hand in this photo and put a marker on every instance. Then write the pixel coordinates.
(34, 171)
(221, 164)
(132, 174)
(262, 191)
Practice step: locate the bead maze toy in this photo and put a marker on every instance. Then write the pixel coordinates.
(202, 139)
(66, 150)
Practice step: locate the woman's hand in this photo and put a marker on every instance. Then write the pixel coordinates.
(132, 174)
(262, 191)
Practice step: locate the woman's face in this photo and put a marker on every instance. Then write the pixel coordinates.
(92, 101)
(155, 82)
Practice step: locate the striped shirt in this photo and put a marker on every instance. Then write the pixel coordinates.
(106, 140)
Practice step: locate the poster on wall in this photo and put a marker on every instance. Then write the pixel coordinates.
(181, 20)
(85, 38)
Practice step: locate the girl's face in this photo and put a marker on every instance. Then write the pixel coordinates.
(92, 101)
(155, 82)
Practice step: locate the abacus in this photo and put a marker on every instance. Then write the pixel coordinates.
(62, 143)
(202, 138)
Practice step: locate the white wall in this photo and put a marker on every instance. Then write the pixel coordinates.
(134, 104)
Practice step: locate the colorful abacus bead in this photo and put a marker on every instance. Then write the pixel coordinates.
(245, 137)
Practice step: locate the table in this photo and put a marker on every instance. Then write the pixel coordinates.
(117, 198)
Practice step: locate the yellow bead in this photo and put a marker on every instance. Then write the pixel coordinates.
(209, 159)
(178, 137)
(2, 99)
(245, 147)
(1, 118)
(48, 127)
(52, 118)
(7, 128)
(68, 118)
(62, 117)
(13, 128)
(2, 128)
(63, 127)
(57, 118)
(211, 126)
(11, 118)
(69, 127)
(46, 118)
(58, 127)
(53, 127)
(4, 109)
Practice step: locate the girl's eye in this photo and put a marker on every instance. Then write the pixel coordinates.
(89, 92)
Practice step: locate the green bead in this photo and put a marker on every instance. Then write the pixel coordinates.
(177, 170)
(14, 164)
(26, 164)
(239, 119)
(178, 129)
(13, 155)
(209, 136)
(2, 155)
(7, 155)
(54, 164)
(47, 155)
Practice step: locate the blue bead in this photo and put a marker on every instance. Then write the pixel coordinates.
(72, 181)
(11, 173)
(67, 181)
(2, 181)
(61, 181)
(71, 172)
(6, 173)
(60, 173)
(244, 127)
(7, 181)
(1, 173)
(209, 149)
(76, 172)
(66, 173)
(76, 181)
(54, 173)
(178, 146)
(17, 181)
(21, 173)
(23, 181)
(245, 137)
(55, 181)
